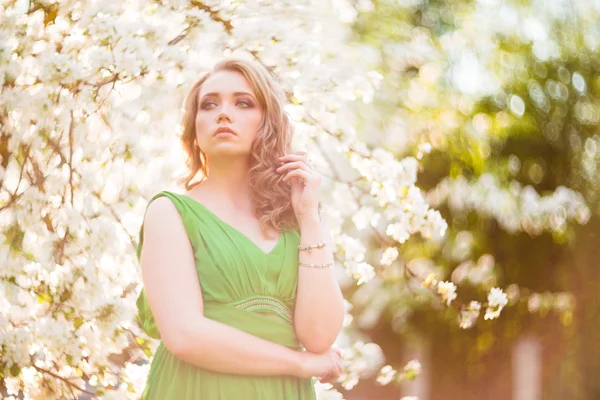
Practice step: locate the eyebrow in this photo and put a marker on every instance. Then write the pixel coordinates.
(216, 94)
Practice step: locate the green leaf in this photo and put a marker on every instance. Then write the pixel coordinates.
(78, 322)
(44, 298)
(15, 370)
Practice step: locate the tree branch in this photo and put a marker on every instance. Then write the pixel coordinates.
(64, 380)
(214, 15)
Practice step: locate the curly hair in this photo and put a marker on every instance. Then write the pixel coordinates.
(270, 197)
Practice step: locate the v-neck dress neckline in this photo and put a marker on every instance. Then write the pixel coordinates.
(233, 228)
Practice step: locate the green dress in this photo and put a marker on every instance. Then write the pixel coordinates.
(241, 286)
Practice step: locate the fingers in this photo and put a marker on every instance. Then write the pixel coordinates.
(328, 379)
(295, 157)
(294, 165)
(338, 361)
(298, 166)
(302, 159)
(298, 173)
(332, 377)
(337, 367)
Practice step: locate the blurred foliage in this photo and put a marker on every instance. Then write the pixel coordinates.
(531, 116)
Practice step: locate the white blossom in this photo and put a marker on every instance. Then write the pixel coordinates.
(447, 290)
(366, 216)
(359, 360)
(326, 391)
(389, 256)
(361, 271)
(468, 315)
(497, 299)
(412, 369)
(386, 375)
(516, 208)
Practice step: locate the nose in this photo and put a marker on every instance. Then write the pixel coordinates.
(224, 114)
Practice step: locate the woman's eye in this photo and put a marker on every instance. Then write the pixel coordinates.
(211, 104)
(208, 105)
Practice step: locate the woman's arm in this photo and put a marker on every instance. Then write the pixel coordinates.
(319, 312)
(175, 298)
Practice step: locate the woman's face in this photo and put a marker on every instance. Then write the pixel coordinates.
(228, 115)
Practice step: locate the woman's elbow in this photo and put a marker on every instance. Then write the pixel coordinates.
(317, 347)
(177, 340)
(317, 342)
(318, 339)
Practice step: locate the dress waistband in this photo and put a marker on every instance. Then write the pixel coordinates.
(239, 314)
(244, 314)
(265, 303)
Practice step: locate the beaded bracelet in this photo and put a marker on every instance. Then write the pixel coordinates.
(312, 265)
(309, 247)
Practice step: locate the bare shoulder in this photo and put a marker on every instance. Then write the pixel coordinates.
(162, 219)
(160, 207)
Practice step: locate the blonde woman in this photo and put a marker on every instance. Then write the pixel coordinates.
(237, 270)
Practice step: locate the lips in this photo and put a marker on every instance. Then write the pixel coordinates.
(224, 131)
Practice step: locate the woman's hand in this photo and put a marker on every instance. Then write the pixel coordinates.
(327, 365)
(305, 183)
(334, 375)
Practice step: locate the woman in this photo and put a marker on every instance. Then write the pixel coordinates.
(237, 271)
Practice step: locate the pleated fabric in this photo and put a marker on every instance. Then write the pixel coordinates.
(242, 286)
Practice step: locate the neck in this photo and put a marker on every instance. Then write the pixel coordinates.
(228, 181)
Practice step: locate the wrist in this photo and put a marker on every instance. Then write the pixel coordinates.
(297, 363)
(309, 218)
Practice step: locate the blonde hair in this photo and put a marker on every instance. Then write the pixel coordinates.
(270, 198)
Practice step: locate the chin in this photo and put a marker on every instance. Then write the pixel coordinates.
(227, 150)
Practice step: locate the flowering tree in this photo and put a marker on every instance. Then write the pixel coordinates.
(89, 109)
(499, 101)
